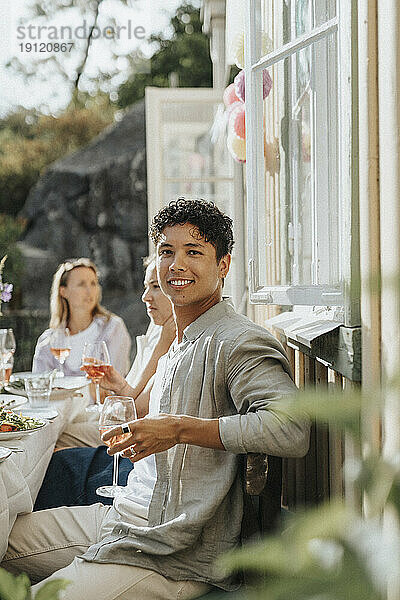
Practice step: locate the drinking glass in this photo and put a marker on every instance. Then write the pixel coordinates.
(95, 360)
(38, 389)
(116, 410)
(60, 346)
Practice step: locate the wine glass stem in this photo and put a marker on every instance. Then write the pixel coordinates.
(115, 470)
(3, 375)
(97, 387)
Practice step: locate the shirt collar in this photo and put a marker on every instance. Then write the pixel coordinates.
(211, 316)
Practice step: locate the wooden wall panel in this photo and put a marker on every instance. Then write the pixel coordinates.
(319, 475)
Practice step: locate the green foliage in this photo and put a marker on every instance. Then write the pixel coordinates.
(30, 142)
(186, 53)
(331, 552)
(19, 587)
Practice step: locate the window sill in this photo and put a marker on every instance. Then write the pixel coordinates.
(328, 341)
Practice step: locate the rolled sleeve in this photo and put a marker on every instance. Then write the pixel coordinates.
(259, 383)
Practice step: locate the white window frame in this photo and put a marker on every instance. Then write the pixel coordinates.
(347, 294)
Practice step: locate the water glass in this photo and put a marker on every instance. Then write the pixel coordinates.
(38, 389)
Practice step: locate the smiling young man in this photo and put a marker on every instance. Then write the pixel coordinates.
(217, 394)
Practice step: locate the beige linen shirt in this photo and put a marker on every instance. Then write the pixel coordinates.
(229, 368)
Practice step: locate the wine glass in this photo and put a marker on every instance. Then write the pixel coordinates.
(95, 360)
(60, 346)
(8, 347)
(116, 411)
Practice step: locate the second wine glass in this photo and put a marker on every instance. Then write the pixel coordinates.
(95, 360)
(60, 346)
(116, 410)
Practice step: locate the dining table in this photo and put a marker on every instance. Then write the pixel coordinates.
(22, 473)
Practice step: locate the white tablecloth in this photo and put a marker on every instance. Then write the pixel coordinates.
(21, 474)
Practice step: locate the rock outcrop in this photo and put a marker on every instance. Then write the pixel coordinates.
(93, 203)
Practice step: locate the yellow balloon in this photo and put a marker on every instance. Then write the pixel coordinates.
(237, 147)
(238, 48)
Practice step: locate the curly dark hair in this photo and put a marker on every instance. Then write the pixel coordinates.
(214, 227)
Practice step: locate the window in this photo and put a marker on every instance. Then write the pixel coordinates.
(300, 155)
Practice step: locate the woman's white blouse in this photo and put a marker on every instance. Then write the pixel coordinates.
(112, 331)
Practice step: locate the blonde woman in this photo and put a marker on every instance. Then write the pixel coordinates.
(75, 303)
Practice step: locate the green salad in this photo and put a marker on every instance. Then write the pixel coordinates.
(11, 421)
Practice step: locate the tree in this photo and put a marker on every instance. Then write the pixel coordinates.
(185, 53)
(29, 142)
(70, 65)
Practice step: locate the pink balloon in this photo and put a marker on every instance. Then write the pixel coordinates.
(240, 85)
(232, 107)
(238, 118)
(230, 95)
(267, 83)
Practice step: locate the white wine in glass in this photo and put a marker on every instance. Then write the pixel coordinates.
(116, 410)
(60, 346)
(95, 360)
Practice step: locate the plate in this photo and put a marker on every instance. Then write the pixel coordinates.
(16, 435)
(4, 453)
(16, 401)
(62, 386)
(40, 413)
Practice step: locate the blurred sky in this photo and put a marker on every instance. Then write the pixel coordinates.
(51, 92)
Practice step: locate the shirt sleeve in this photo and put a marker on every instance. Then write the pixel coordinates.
(259, 382)
(43, 360)
(119, 344)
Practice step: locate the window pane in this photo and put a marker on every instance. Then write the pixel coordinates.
(302, 17)
(299, 241)
(284, 20)
(276, 21)
(324, 10)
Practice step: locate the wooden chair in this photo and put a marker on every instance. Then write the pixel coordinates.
(262, 511)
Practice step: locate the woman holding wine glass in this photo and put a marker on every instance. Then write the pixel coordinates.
(75, 305)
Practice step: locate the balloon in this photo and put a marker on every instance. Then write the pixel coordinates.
(240, 85)
(230, 95)
(238, 48)
(238, 120)
(237, 147)
(232, 107)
